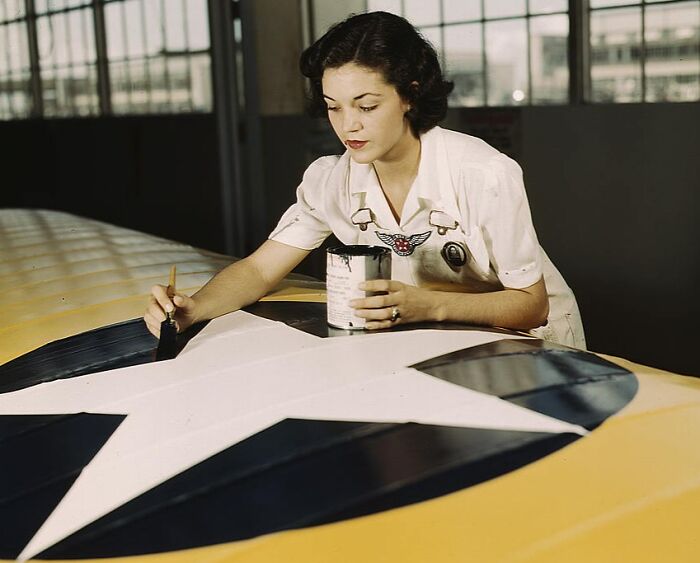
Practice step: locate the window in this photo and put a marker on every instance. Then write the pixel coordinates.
(513, 52)
(645, 51)
(498, 53)
(158, 53)
(66, 57)
(15, 67)
(154, 57)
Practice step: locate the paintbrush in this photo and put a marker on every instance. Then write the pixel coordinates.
(167, 344)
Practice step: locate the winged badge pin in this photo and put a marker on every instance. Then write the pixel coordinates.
(403, 245)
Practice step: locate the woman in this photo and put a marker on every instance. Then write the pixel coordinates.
(452, 209)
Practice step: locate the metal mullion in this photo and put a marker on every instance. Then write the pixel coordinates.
(579, 55)
(227, 115)
(127, 66)
(25, 64)
(7, 77)
(643, 52)
(10, 72)
(484, 58)
(164, 50)
(188, 65)
(89, 65)
(37, 110)
(71, 63)
(441, 22)
(147, 59)
(54, 66)
(529, 52)
(101, 59)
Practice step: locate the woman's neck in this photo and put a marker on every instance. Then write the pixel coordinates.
(397, 170)
(397, 173)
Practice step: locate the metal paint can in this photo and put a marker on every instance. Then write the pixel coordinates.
(347, 267)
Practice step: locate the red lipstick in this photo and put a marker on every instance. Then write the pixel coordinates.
(355, 145)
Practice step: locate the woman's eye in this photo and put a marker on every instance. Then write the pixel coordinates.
(332, 108)
(367, 108)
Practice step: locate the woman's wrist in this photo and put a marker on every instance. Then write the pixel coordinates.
(438, 306)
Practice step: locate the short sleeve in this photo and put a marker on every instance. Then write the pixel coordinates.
(304, 225)
(506, 223)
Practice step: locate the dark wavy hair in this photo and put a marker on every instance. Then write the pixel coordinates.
(387, 43)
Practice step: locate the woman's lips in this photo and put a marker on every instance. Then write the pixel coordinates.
(355, 145)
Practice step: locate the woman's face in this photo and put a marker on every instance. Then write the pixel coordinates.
(366, 113)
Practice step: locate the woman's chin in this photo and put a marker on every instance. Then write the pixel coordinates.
(360, 158)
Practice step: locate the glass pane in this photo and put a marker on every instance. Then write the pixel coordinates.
(178, 68)
(5, 109)
(54, 5)
(136, 46)
(119, 78)
(174, 26)
(80, 37)
(549, 65)
(17, 53)
(605, 3)
(672, 58)
(138, 76)
(432, 34)
(61, 38)
(420, 12)
(114, 31)
(88, 35)
(198, 24)
(11, 10)
(201, 83)
(393, 6)
(461, 10)
(504, 8)
(4, 42)
(548, 6)
(616, 70)
(160, 89)
(48, 88)
(45, 42)
(63, 92)
(506, 62)
(463, 59)
(155, 42)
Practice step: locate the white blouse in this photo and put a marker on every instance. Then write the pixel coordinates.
(466, 221)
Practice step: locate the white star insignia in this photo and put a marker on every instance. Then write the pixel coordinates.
(239, 376)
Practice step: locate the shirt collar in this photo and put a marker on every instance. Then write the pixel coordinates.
(432, 180)
(363, 177)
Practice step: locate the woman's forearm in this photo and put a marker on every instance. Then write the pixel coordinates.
(508, 308)
(519, 309)
(247, 280)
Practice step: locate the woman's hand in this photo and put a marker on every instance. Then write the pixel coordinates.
(401, 303)
(160, 302)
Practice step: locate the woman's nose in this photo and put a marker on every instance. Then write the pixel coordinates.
(351, 122)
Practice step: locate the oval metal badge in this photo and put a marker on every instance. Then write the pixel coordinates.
(454, 254)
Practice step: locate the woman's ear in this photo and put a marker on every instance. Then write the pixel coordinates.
(414, 89)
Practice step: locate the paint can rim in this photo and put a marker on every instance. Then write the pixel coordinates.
(358, 250)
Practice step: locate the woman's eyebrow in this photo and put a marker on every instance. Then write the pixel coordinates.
(356, 97)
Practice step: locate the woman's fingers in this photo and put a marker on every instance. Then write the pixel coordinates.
(184, 303)
(152, 324)
(378, 325)
(374, 302)
(160, 295)
(381, 285)
(155, 311)
(375, 314)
